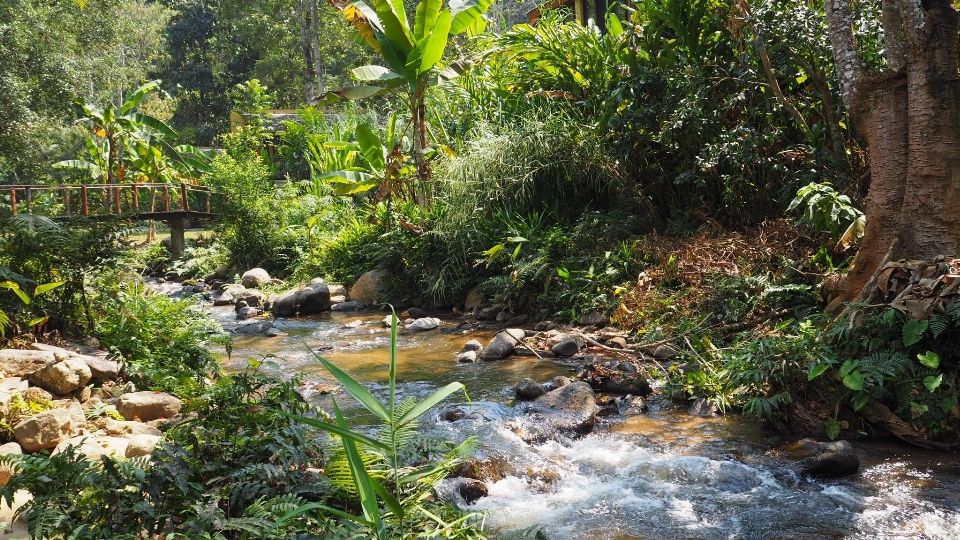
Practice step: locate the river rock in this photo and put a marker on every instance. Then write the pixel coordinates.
(368, 289)
(141, 445)
(413, 313)
(128, 429)
(423, 324)
(273, 331)
(617, 342)
(6, 471)
(474, 301)
(63, 377)
(247, 313)
(93, 448)
(470, 490)
(147, 406)
(704, 408)
(313, 298)
(467, 357)
(567, 347)
(571, 409)
(225, 299)
(101, 368)
(254, 298)
(473, 345)
(22, 363)
(516, 320)
(595, 318)
(235, 290)
(832, 458)
(44, 430)
(255, 277)
(254, 328)
(608, 377)
(490, 313)
(345, 306)
(529, 389)
(502, 344)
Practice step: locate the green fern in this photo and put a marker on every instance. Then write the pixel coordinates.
(938, 324)
(884, 364)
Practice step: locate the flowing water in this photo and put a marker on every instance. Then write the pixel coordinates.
(660, 475)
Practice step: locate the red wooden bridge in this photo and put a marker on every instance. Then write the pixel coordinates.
(171, 203)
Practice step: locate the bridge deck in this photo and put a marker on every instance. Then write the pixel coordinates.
(156, 201)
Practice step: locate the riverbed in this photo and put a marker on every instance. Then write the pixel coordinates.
(659, 475)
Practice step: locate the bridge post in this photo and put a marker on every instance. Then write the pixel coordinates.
(178, 227)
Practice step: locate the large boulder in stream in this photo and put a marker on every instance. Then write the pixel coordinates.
(62, 377)
(368, 289)
(313, 298)
(831, 458)
(255, 277)
(502, 344)
(568, 410)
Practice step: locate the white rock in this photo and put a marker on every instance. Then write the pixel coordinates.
(44, 430)
(61, 378)
(141, 445)
(147, 406)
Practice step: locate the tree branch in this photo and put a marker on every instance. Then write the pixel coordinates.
(849, 65)
(772, 77)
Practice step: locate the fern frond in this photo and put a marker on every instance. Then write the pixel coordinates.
(884, 364)
(938, 324)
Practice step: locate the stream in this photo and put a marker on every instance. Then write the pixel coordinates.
(659, 475)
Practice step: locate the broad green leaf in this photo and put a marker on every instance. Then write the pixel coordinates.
(394, 25)
(374, 73)
(929, 359)
(932, 383)
(466, 13)
(347, 177)
(853, 380)
(849, 366)
(154, 124)
(354, 388)
(859, 400)
(368, 496)
(801, 79)
(342, 433)
(516, 239)
(317, 506)
(947, 404)
(392, 503)
(95, 170)
(16, 290)
(364, 24)
(833, 428)
(37, 321)
(614, 26)
(913, 331)
(372, 147)
(434, 43)
(427, 12)
(350, 189)
(493, 252)
(137, 96)
(47, 287)
(816, 370)
(428, 403)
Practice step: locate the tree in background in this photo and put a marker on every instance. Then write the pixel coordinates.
(909, 113)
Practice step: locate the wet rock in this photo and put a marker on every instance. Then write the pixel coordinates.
(490, 313)
(832, 458)
(254, 328)
(570, 409)
(528, 389)
(609, 378)
(544, 326)
(147, 406)
(313, 298)
(387, 321)
(141, 445)
(505, 316)
(225, 299)
(485, 470)
(6, 471)
(255, 277)
(368, 289)
(22, 363)
(567, 347)
(473, 345)
(467, 357)
(631, 405)
(596, 318)
(423, 324)
(502, 344)
(664, 352)
(349, 305)
(247, 313)
(272, 332)
(413, 313)
(44, 430)
(471, 490)
(453, 415)
(704, 408)
(63, 377)
(253, 298)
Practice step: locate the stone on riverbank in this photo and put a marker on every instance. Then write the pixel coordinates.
(22, 363)
(255, 277)
(147, 406)
(467, 357)
(95, 447)
(567, 347)
(101, 368)
(44, 430)
(141, 445)
(368, 289)
(528, 389)
(473, 345)
(502, 344)
(61, 378)
(310, 299)
(128, 429)
(256, 327)
(423, 324)
(832, 458)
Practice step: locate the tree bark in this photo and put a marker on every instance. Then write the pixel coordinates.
(910, 117)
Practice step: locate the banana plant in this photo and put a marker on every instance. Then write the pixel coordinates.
(126, 143)
(412, 51)
(386, 164)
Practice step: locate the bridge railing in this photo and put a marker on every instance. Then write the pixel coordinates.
(141, 199)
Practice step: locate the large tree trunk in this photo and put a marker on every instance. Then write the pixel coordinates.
(910, 118)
